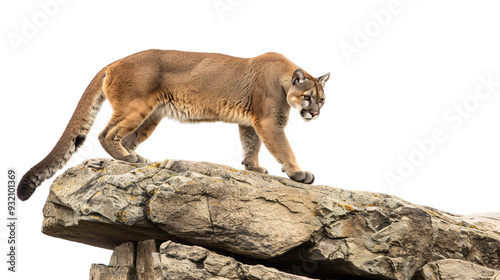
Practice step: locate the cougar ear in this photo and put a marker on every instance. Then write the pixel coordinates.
(298, 76)
(323, 79)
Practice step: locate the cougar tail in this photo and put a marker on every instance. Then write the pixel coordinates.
(73, 137)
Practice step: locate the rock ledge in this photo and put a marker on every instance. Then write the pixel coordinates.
(208, 221)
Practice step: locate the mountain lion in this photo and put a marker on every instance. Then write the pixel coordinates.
(256, 93)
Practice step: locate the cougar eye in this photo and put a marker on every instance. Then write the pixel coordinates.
(321, 100)
(306, 97)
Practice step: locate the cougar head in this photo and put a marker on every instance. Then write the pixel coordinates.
(306, 94)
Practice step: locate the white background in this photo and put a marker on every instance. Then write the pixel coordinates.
(409, 69)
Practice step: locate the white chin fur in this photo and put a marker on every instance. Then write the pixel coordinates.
(309, 117)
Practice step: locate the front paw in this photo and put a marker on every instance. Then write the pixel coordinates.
(305, 177)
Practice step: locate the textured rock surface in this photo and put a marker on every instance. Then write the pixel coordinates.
(456, 269)
(130, 261)
(176, 261)
(102, 272)
(317, 231)
(180, 262)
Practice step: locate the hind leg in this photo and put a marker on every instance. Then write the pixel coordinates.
(251, 143)
(134, 139)
(119, 127)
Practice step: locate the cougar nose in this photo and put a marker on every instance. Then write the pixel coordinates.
(314, 114)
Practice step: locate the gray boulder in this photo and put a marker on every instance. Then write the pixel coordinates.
(267, 221)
